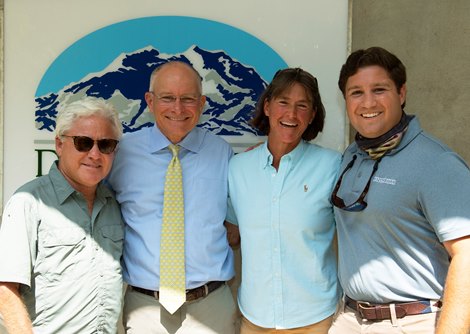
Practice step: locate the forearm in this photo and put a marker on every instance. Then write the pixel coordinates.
(13, 310)
(455, 315)
(233, 234)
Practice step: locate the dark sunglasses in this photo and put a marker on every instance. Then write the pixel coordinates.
(359, 204)
(85, 144)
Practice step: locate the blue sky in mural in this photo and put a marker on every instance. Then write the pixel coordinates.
(169, 34)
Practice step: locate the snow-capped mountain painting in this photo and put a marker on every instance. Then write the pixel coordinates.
(231, 88)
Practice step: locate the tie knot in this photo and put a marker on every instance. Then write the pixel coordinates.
(174, 149)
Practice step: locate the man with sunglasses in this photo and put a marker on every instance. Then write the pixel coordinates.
(138, 177)
(402, 212)
(61, 236)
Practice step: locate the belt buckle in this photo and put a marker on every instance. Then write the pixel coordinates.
(365, 306)
(379, 312)
(362, 306)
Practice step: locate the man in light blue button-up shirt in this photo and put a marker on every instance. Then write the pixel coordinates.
(279, 193)
(138, 177)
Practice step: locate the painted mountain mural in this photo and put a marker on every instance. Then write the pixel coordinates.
(232, 90)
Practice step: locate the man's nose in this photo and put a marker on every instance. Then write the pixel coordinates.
(369, 100)
(94, 151)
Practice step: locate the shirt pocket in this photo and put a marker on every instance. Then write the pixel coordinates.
(63, 254)
(112, 238)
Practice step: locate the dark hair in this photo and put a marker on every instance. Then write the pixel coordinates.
(373, 56)
(282, 81)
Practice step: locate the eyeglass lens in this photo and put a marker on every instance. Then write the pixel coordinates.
(85, 144)
(185, 100)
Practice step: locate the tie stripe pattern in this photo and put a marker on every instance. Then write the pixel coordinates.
(172, 291)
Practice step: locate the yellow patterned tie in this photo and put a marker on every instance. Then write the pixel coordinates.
(172, 292)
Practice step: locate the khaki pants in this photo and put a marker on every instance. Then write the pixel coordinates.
(318, 328)
(214, 314)
(349, 322)
(2, 328)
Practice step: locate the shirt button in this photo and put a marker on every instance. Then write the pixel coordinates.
(274, 199)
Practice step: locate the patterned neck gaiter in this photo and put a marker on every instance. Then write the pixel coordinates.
(378, 147)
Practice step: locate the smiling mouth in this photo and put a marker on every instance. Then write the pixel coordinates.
(370, 115)
(289, 125)
(92, 166)
(177, 119)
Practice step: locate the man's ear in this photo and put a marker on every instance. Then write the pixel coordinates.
(402, 94)
(202, 103)
(150, 100)
(58, 146)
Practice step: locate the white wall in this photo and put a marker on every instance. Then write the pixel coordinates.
(311, 34)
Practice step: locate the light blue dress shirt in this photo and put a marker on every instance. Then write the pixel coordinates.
(138, 178)
(286, 222)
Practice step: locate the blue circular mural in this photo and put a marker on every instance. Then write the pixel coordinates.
(115, 63)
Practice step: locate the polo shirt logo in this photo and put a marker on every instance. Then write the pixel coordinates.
(384, 180)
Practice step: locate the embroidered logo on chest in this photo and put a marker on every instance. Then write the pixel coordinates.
(384, 180)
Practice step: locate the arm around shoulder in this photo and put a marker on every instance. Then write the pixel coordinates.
(13, 310)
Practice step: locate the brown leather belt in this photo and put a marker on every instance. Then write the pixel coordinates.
(191, 294)
(378, 312)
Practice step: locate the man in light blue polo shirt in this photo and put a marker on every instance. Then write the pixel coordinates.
(280, 192)
(402, 212)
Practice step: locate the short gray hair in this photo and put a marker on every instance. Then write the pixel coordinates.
(88, 106)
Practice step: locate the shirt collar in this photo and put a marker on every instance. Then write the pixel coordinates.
(62, 188)
(414, 129)
(266, 158)
(192, 141)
